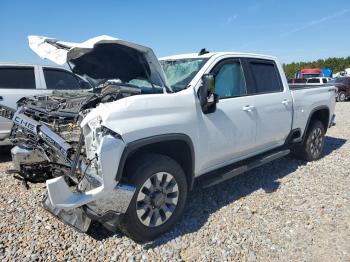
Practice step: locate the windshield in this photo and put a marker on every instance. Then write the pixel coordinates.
(180, 72)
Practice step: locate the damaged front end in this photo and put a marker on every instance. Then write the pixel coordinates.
(61, 139)
(56, 142)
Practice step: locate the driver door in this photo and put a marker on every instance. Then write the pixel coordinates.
(231, 129)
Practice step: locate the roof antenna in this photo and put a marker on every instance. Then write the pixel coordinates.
(203, 52)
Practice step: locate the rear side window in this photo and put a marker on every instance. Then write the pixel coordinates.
(60, 80)
(17, 77)
(266, 77)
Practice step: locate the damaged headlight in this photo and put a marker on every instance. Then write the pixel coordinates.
(99, 130)
(95, 123)
(106, 131)
(94, 133)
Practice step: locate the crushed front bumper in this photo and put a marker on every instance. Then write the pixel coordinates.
(110, 197)
(105, 210)
(97, 194)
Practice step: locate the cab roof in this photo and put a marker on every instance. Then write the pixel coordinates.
(211, 54)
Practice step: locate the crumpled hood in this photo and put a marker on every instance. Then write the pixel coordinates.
(102, 57)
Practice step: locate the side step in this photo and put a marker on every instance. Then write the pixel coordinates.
(223, 174)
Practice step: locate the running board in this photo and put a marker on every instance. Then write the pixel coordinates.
(218, 177)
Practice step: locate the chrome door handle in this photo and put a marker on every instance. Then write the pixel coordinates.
(1, 98)
(248, 108)
(285, 102)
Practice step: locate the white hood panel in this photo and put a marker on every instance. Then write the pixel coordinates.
(61, 52)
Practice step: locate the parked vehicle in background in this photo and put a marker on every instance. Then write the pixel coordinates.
(24, 80)
(308, 73)
(318, 80)
(127, 156)
(346, 72)
(343, 87)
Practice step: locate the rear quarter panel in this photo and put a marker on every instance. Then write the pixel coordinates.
(309, 99)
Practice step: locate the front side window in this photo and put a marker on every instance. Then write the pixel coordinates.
(266, 77)
(229, 81)
(180, 72)
(17, 77)
(60, 80)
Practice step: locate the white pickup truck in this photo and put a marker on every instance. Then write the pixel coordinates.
(22, 80)
(128, 154)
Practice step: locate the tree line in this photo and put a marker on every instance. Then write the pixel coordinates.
(337, 64)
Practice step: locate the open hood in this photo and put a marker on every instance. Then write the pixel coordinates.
(102, 57)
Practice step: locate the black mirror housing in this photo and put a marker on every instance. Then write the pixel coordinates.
(206, 93)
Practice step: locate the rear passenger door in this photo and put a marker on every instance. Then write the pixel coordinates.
(59, 79)
(16, 82)
(273, 103)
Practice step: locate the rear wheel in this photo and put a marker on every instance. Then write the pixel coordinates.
(312, 146)
(159, 200)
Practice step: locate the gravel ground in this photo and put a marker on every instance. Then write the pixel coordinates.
(286, 210)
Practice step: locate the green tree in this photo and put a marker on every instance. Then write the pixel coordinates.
(335, 63)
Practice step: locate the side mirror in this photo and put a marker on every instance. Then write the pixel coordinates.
(206, 93)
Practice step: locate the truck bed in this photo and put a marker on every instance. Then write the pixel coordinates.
(308, 98)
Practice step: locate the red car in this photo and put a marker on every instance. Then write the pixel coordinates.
(343, 85)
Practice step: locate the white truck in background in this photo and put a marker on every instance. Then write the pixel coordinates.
(128, 154)
(318, 80)
(24, 80)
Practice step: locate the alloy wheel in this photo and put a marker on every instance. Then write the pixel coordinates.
(157, 199)
(341, 97)
(316, 142)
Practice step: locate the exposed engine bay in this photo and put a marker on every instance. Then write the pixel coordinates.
(49, 127)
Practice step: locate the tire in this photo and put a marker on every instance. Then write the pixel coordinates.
(312, 146)
(341, 97)
(153, 174)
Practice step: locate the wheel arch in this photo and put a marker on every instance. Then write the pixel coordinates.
(177, 146)
(321, 113)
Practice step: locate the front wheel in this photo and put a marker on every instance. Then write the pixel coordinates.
(160, 197)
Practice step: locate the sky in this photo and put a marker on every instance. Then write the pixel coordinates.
(291, 30)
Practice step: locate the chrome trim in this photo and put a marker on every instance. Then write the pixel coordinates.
(43, 131)
(117, 200)
(75, 217)
(25, 122)
(54, 140)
